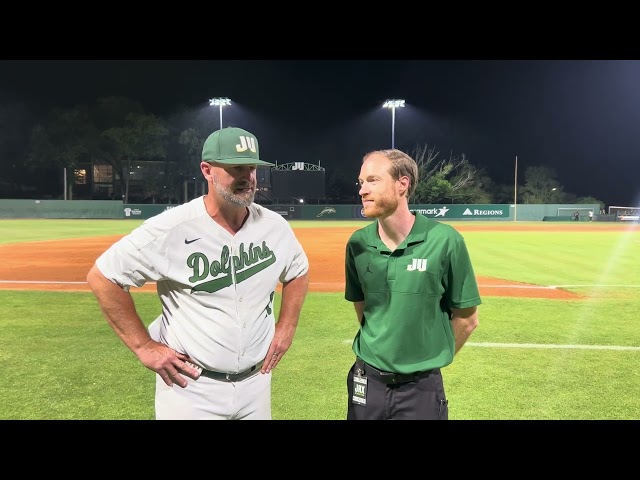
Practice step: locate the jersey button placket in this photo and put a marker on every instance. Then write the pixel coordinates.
(391, 267)
(238, 299)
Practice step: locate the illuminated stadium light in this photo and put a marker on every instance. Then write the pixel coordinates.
(393, 104)
(219, 102)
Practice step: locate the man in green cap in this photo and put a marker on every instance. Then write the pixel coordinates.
(217, 261)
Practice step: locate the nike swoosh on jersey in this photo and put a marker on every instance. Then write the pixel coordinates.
(187, 242)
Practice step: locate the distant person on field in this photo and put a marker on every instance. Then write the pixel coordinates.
(591, 215)
(576, 216)
(415, 295)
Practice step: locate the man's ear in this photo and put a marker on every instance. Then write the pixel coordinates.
(404, 185)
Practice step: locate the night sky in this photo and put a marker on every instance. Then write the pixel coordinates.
(580, 117)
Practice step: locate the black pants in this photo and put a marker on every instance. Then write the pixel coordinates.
(420, 399)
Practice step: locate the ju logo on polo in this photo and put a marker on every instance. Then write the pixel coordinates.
(419, 264)
(246, 143)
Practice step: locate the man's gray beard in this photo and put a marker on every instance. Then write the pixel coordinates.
(243, 200)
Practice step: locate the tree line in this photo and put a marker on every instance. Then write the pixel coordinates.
(119, 132)
(115, 130)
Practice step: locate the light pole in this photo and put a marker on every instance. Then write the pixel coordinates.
(515, 193)
(221, 102)
(393, 104)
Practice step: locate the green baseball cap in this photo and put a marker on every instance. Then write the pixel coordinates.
(232, 146)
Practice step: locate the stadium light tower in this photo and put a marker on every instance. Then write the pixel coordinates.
(393, 104)
(219, 102)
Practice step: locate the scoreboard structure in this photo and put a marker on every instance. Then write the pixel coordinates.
(297, 182)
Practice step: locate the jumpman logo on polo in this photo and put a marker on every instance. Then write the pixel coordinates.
(368, 270)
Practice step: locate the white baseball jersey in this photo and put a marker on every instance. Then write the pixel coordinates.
(216, 289)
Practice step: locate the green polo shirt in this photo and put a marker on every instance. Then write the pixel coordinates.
(407, 293)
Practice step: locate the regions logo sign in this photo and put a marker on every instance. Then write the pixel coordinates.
(482, 213)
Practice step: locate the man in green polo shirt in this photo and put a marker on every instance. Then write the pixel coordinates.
(415, 296)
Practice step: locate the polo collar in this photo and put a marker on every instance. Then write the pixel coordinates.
(417, 234)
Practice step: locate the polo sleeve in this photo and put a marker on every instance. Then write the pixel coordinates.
(462, 291)
(353, 289)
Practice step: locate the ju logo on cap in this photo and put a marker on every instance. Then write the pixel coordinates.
(232, 146)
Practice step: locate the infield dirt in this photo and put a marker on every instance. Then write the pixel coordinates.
(62, 265)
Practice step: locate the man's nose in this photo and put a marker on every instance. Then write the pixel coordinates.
(248, 172)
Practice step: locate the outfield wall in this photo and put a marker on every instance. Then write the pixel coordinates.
(60, 209)
(109, 209)
(440, 211)
(116, 209)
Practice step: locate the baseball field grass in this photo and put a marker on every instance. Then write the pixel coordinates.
(534, 356)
